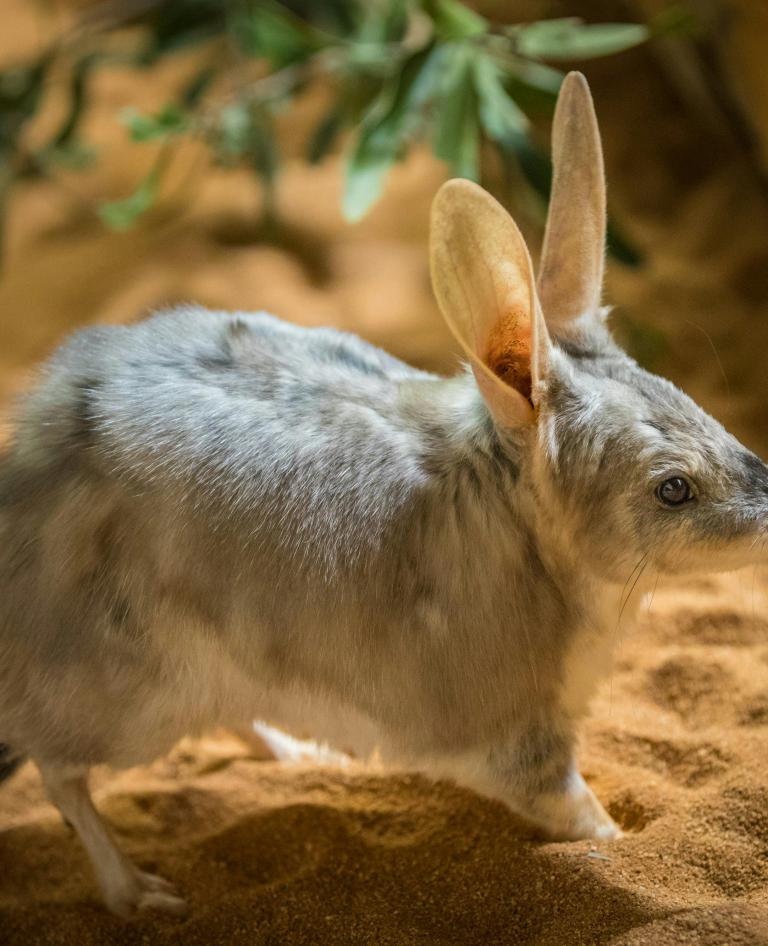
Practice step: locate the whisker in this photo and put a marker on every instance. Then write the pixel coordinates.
(638, 565)
(629, 577)
(708, 337)
(642, 563)
(653, 593)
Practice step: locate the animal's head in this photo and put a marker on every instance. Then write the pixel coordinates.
(625, 467)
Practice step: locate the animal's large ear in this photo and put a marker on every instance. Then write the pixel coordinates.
(483, 280)
(572, 259)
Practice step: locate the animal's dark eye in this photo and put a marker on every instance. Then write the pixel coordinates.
(674, 492)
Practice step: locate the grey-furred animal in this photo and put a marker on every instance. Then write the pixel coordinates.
(211, 517)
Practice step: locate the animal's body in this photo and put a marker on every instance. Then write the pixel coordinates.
(250, 533)
(210, 517)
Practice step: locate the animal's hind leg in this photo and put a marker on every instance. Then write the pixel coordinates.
(124, 887)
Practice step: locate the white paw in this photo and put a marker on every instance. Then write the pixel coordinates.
(286, 748)
(164, 902)
(589, 825)
(608, 831)
(151, 882)
(145, 892)
(575, 814)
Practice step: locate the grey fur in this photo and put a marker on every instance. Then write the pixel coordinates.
(204, 510)
(208, 517)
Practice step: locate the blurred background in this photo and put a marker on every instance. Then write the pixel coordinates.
(283, 156)
(255, 154)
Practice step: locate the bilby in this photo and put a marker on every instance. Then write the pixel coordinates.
(208, 517)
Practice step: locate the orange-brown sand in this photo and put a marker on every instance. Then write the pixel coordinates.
(677, 747)
(277, 854)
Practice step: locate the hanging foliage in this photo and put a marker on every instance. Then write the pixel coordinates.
(400, 72)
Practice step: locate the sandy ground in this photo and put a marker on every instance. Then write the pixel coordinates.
(677, 747)
(276, 854)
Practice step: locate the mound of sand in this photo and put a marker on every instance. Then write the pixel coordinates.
(270, 853)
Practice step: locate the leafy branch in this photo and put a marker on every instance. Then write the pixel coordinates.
(399, 72)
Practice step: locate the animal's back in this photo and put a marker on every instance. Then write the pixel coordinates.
(166, 387)
(172, 486)
(202, 507)
(235, 411)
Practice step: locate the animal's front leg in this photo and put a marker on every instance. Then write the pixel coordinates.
(536, 774)
(125, 887)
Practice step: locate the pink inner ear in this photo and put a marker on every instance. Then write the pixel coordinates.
(508, 351)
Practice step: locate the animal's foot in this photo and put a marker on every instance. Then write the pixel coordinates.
(146, 892)
(574, 814)
(593, 823)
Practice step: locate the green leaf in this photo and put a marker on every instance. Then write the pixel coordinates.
(21, 87)
(122, 214)
(245, 137)
(542, 79)
(392, 120)
(81, 73)
(531, 100)
(21, 91)
(177, 25)
(500, 116)
(534, 163)
(374, 153)
(268, 31)
(571, 39)
(170, 120)
(73, 154)
(375, 58)
(366, 172)
(382, 22)
(197, 86)
(334, 16)
(456, 132)
(358, 90)
(232, 132)
(454, 21)
(262, 146)
(325, 134)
